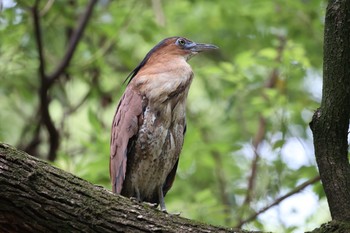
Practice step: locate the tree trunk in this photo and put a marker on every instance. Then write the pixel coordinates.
(36, 197)
(330, 122)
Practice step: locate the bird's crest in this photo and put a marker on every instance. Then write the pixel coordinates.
(148, 55)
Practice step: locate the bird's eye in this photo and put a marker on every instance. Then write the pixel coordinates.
(181, 42)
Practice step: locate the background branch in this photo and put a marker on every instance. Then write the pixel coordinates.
(72, 45)
(278, 200)
(260, 134)
(38, 39)
(46, 81)
(45, 117)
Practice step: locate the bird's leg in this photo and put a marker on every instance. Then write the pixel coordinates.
(138, 196)
(161, 200)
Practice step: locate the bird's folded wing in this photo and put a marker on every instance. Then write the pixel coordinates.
(125, 125)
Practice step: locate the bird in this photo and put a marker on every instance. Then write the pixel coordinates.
(149, 124)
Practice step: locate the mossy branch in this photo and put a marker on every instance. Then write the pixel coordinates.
(37, 197)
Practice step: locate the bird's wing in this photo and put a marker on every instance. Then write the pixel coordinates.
(171, 176)
(125, 125)
(170, 179)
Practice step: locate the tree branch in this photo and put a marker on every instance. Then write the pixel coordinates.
(219, 174)
(38, 39)
(158, 11)
(36, 197)
(330, 123)
(278, 200)
(45, 116)
(222, 185)
(72, 45)
(260, 134)
(46, 81)
(258, 138)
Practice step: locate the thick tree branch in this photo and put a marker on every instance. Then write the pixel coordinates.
(36, 197)
(330, 123)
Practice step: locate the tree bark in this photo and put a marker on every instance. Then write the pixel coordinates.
(37, 197)
(330, 122)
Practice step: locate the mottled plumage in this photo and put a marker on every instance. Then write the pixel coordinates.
(150, 122)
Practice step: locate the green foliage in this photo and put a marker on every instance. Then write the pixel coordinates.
(258, 78)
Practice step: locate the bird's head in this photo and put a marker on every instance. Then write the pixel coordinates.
(181, 46)
(172, 46)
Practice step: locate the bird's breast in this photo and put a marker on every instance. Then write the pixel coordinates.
(161, 82)
(163, 125)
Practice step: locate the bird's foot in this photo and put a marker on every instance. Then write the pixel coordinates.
(172, 214)
(153, 205)
(134, 199)
(163, 209)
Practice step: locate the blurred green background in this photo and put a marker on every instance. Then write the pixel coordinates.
(248, 109)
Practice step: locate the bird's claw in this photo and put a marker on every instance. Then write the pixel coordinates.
(134, 199)
(153, 205)
(172, 214)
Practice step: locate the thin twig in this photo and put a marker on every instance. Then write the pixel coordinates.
(72, 45)
(158, 12)
(258, 138)
(278, 200)
(47, 7)
(219, 171)
(38, 39)
(222, 184)
(260, 134)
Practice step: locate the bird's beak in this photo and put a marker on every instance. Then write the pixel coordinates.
(198, 47)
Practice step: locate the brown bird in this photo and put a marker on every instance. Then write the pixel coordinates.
(150, 122)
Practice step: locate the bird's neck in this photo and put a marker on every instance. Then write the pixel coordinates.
(163, 80)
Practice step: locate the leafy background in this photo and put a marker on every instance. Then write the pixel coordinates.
(248, 141)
